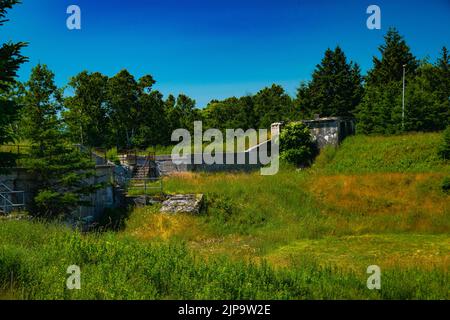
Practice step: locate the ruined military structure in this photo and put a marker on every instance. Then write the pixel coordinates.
(326, 131)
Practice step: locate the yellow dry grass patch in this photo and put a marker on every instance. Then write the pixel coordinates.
(159, 226)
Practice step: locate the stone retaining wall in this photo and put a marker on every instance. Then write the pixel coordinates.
(20, 180)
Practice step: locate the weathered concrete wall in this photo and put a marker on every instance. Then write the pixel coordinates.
(20, 180)
(330, 131)
(246, 161)
(326, 131)
(103, 198)
(227, 162)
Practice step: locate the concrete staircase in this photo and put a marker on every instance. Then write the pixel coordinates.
(141, 172)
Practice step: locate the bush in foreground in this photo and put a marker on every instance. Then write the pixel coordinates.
(296, 146)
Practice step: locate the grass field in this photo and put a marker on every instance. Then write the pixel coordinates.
(301, 234)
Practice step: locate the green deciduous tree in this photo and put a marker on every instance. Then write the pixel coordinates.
(153, 129)
(136, 111)
(86, 114)
(123, 95)
(171, 115)
(272, 104)
(230, 113)
(185, 113)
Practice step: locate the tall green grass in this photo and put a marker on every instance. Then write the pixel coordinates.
(416, 152)
(34, 258)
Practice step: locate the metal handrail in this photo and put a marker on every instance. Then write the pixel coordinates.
(144, 184)
(2, 185)
(5, 199)
(7, 203)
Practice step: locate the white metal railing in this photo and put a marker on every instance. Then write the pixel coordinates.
(7, 195)
(145, 184)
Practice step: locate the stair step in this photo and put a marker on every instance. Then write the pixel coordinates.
(141, 172)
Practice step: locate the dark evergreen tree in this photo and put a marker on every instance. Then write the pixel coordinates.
(60, 171)
(335, 89)
(10, 61)
(427, 105)
(395, 53)
(381, 108)
(443, 85)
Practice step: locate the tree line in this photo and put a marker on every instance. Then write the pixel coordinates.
(125, 112)
(337, 88)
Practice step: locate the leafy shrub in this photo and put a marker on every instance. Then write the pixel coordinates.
(112, 155)
(444, 148)
(296, 144)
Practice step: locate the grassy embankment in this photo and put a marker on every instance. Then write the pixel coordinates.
(298, 234)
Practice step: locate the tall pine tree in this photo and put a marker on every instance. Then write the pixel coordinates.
(395, 53)
(61, 173)
(10, 61)
(381, 108)
(335, 89)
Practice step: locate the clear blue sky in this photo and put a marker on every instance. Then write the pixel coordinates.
(217, 48)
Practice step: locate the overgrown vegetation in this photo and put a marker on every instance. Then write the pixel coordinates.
(297, 235)
(62, 174)
(301, 234)
(296, 144)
